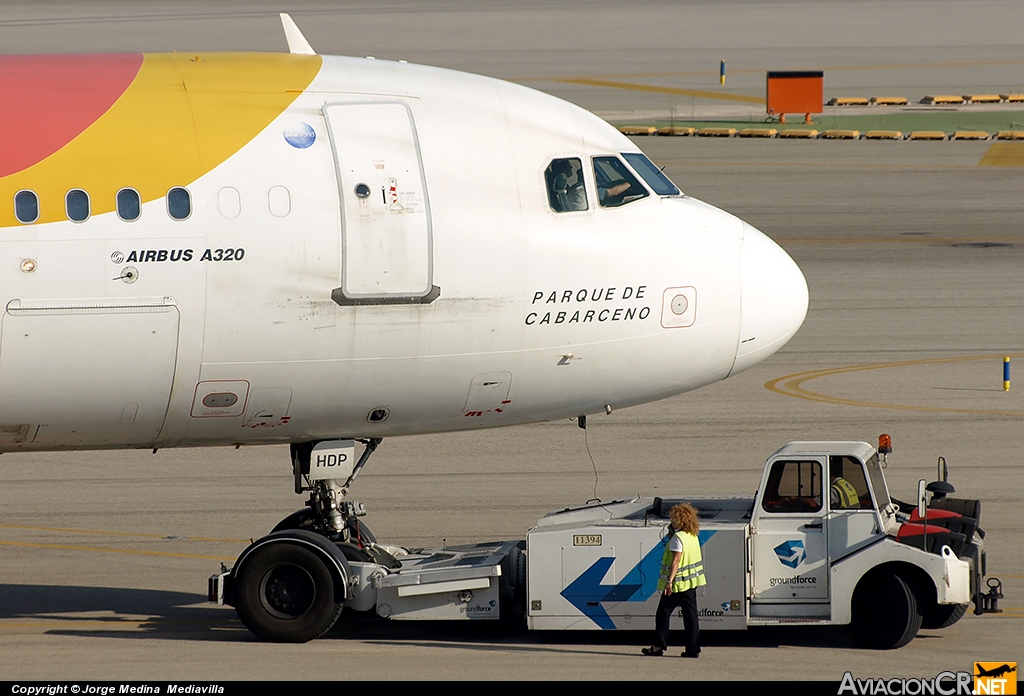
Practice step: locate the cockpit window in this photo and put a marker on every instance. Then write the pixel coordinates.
(564, 179)
(654, 177)
(616, 185)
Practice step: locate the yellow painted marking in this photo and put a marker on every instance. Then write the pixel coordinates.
(115, 623)
(665, 90)
(125, 534)
(792, 385)
(688, 73)
(134, 552)
(1003, 155)
(809, 165)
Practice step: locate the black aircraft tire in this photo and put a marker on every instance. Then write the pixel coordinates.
(285, 594)
(885, 613)
(300, 519)
(303, 519)
(943, 615)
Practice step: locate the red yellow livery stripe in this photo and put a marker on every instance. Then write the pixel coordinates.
(100, 127)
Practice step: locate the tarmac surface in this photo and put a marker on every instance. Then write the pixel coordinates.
(912, 252)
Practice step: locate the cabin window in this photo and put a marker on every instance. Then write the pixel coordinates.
(851, 471)
(229, 202)
(280, 201)
(616, 185)
(129, 204)
(76, 205)
(650, 173)
(793, 486)
(566, 191)
(26, 206)
(179, 203)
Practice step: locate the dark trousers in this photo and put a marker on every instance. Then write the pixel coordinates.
(669, 603)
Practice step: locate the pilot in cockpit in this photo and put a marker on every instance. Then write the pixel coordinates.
(566, 192)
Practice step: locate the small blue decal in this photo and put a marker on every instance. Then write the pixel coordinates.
(300, 135)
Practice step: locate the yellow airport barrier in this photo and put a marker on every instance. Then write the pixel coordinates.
(717, 132)
(840, 134)
(848, 101)
(969, 135)
(889, 101)
(883, 135)
(1012, 97)
(798, 133)
(638, 130)
(1010, 135)
(983, 98)
(927, 135)
(758, 132)
(677, 130)
(943, 99)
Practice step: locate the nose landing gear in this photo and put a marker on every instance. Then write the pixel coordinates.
(291, 585)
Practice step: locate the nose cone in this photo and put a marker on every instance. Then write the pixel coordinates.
(773, 299)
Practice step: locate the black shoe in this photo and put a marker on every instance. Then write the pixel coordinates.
(653, 652)
(689, 654)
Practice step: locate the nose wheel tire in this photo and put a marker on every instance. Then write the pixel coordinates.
(885, 612)
(286, 594)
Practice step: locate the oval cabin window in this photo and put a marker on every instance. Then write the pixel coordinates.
(129, 204)
(76, 205)
(179, 203)
(26, 206)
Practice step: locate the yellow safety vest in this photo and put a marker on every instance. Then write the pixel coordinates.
(848, 497)
(691, 565)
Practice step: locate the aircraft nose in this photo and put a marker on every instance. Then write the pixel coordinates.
(773, 299)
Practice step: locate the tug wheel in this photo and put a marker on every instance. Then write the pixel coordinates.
(286, 594)
(943, 615)
(885, 612)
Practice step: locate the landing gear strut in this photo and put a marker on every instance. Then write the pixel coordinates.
(327, 512)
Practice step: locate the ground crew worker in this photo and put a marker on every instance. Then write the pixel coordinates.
(682, 572)
(842, 494)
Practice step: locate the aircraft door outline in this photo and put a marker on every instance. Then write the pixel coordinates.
(387, 233)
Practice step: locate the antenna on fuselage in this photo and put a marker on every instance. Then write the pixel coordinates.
(296, 41)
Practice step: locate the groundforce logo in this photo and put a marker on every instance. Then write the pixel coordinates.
(944, 684)
(791, 553)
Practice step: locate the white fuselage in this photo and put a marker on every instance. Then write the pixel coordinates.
(538, 314)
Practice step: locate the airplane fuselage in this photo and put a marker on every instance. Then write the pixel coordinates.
(319, 247)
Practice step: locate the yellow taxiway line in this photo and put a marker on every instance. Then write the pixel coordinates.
(104, 549)
(702, 94)
(121, 533)
(792, 385)
(761, 71)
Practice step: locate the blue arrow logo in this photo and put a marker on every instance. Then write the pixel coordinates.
(587, 594)
(791, 553)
